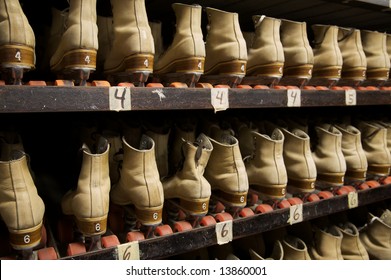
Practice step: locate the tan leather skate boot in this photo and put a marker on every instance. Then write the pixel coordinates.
(17, 41)
(327, 244)
(226, 172)
(376, 236)
(89, 202)
(294, 248)
(184, 59)
(189, 184)
(374, 143)
(327, 55)
(139, 184)
(132, 54)
(300, 165)
(265, 54)
(351, 247)
(299, 56)
(356, 160)
(21, 208)
(276, 254)
(328, 156)
(226, 50)
(266, 170)
(378, 61)
(354, 60)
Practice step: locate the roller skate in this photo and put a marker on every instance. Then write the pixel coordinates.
(299, 56)
(187, 191)
(137, 199)
(17, 43)
(265, 55)
(226, 50)
(85, 209)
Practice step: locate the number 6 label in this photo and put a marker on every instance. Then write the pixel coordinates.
(129, 251)
(295, 214)
(219, 99)
(119, 99)
(224, 232)
(352, 200)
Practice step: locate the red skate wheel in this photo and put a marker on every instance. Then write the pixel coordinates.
(222, 86)
(373, 183)
(180, 226)
(178, 85)
(207, 221)
(347, 88)
(244, 86)
(292, 87)
(64, 83)
(263, 208)
(385, 88)
(279, 87)
(2, 83)
(204, 85)
(75, 248)
(163, 230)
(246, 212)
(261, 87)
(155, 85)
(363, 186)
(345, 190)
(109, 241)
(98, 83)
(36, 83)
(336, 88)
(321, 88)
(47, 254)
(134, 236)
(386, 180)
(124, 84)
(283, 204)
(294, 201)
(222, 217)
(325, 195)
(372, 88)
(309, 87)
(65, 230)
(313, 197)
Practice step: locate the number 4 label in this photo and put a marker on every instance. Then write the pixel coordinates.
(224, 232)
(219, 99)
(294, 97)
(119, 99)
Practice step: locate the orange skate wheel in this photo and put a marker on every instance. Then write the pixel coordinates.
(222, 217)
(207, 221)
(283, 204)
(219, 207)
(363, 186)
(292, 87)
(347, 88)
(372, 88)
(180, 226)
(386, 180)
(309, 87)
(163, 230)
(36, 83)
(279, 87)
(263, 208)
(64, 83)
(2, 83)
(325, 194)
(124, 84)
(109, 241)
(75, 248)
(261, 87)
(47, 254)
(321, 88)
(313, 197)
(98, 83)
(246, 212)
(244, 86)
(373, 183)
(385, 88)
(294, 201)
(65, 230)
(134, 236)
(204, 85)
(342, 190)
(155, 85)
(336, 88)
(222, 86)
(178, 85)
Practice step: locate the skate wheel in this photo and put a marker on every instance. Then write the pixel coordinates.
(246, 212)
(65, 230)
(382, 88)
(294, 201)
(219, 207)
(372, 183)
(386, 180)
(222, 86)
(345, 190)
(363, 186)
(36, 83)
(313, 197)
(109, 241)
(283, 204)
(163, 230)
(336, 88)
(75, 248)
(204, 85)
(134, 236)
(181, 215)
(263, 208)
(347, 88)
(155, 85)
(321, 88)
(207, 221)
(178, 85)
(279, 87)
(97, 83)
(325, 195)
(64, 83)
(244, 86)
(2, 83)
(124, 84)
(309, 87)
(180, 226)
(261, 87)
(47, 254)
(292, 87)
(222, 217)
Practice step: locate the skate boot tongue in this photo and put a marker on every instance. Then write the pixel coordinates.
(386, 217)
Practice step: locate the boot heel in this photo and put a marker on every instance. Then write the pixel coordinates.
(269, 74)
(270, 192)
(231, 199)
(355, 74)
(197, 207)
(327, 76)
(376, 77)
(149, 216)
(92, 226)
(27, 238)
(300, 186)
(299, 75)
(329, 181)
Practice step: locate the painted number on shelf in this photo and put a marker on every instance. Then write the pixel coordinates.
(294, 97)
(119, 98)
(224, 232)
(129, 251)
(295, 214)
(352, 199)
(350, 97)
(219, 99)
